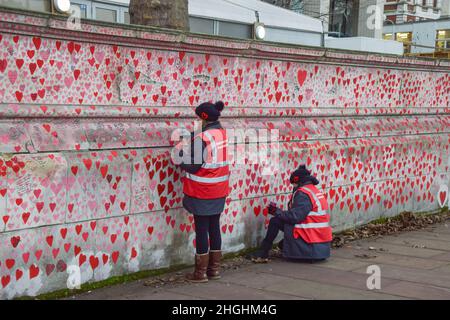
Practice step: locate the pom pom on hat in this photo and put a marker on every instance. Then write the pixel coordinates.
(219, 105)
(303, 175)
(208, 111)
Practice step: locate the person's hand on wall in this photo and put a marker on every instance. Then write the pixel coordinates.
(177, 152)
(272, 208)
(179, 143)
(179, 146)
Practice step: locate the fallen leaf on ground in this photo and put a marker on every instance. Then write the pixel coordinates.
(406, 221)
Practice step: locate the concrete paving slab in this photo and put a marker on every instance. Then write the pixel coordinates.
(315, 272)
(386, 258)
(442, 228)
(417, 291)
(426, 277)
(443, 257)
(403, 250)
(144, 295)
(339, 263)
(228, 291)
(443, 269)
(161, 295)
(111, 292)
(254, 279)
(315, 290)
(429, 235)
(412, 242)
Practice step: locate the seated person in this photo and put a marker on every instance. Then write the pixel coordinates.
(306, 223)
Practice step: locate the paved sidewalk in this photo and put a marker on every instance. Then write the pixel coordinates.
(414, 265)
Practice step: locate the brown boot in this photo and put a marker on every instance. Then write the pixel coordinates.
(214, 265)
(201, 264)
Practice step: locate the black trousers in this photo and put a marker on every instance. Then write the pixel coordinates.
(275, 225)
(207, 227)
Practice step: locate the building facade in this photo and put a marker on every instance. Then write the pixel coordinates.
(343, 18)
(445, 9)
(431, 36)
(314, 8)
(356, 18)
(403, 11)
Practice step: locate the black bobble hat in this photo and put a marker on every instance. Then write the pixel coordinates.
(303, 175)
(209, 111)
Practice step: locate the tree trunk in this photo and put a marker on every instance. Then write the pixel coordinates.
(172, 14)
(280, 3)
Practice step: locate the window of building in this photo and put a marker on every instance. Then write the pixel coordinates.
(107, 15)
(82, 8)
(443, 34)
(99, 11)
(222, 28)
(406, 38)
(344, 17)
(201, 25)
(35, 5)
(387, 36)
(235, 30)
(443, 39)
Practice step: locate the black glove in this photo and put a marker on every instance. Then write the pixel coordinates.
(272, 208)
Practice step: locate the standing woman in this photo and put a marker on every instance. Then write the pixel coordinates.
(205, 189)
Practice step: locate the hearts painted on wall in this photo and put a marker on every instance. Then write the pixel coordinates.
(442, 196)
(95, 74)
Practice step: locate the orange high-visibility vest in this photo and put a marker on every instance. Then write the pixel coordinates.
(211, 181)
(316, 227)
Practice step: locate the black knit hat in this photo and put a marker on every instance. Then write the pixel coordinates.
(209, 111)
(303, 175)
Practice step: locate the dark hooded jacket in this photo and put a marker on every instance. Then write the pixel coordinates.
(298, 248)
(202, 207)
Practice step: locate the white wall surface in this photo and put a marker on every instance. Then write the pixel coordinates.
(294, 37)
(365, 44)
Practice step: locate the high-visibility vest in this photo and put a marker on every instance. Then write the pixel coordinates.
(316, 227)
(211, 181)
